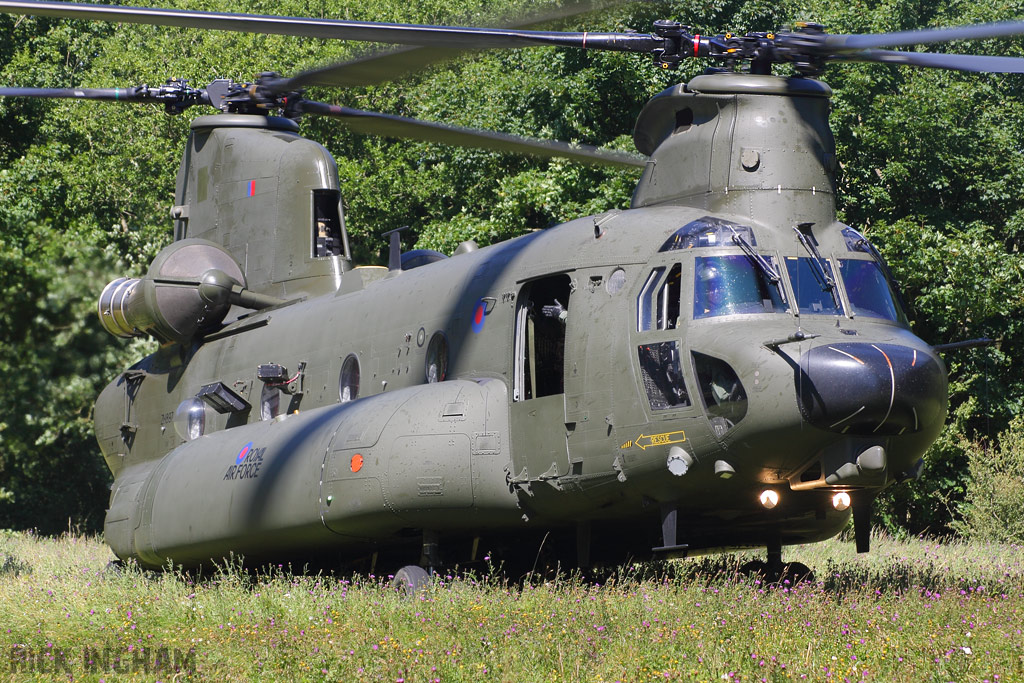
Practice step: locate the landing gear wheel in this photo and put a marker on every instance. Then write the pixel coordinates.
(410, 579)
(114, 568)
(754, 569)
(788, 575)
(795, 573)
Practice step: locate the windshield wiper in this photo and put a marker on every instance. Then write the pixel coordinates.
(821, 273)
(762, 263)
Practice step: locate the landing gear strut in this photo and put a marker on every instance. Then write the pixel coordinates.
(774, 572)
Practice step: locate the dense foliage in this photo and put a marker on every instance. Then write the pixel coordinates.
(995, 489)
(931, 166)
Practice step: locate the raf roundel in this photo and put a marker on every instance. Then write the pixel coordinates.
(479, 316)
(242, 453)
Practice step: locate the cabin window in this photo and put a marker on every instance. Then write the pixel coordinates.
(810, 279)
(270, 401)
(732, 284)
(436, 367)
(616, 281)
(327, 224)
(662, 376)
(348, 380)
(725, 399)
(541, 315)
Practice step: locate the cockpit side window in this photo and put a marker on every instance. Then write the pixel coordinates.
(668, 300)
(724, 397)
(662, 376)
(645, 302)
(732, 284)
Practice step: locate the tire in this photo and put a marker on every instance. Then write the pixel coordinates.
(755, 569)
(411, 580)
(796, 573)
(114, 568)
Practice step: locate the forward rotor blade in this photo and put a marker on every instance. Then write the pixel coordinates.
(372, 123)
(844, 43)
(404, 34)
(389, 65)
(935, 60)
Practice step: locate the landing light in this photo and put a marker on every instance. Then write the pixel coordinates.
(769, 498)
(841, 501)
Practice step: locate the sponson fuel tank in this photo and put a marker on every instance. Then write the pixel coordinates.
(365, 469)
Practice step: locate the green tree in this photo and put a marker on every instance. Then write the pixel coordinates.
(995, 489)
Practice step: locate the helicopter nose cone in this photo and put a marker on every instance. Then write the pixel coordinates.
(859, 388)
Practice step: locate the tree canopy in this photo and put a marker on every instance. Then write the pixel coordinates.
(931, 168)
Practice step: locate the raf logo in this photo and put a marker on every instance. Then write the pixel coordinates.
(247, 463)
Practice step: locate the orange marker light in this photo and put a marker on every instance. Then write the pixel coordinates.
(357, 462)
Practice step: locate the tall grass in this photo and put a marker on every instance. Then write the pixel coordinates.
(909, 611)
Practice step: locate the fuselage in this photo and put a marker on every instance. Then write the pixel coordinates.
(579, 366)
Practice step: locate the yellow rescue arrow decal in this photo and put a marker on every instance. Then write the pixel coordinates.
(646, 441)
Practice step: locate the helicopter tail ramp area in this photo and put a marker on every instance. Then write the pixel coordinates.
(433, 455)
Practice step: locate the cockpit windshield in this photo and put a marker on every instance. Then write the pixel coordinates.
(869, 290)
(812, 296)
(731, 284)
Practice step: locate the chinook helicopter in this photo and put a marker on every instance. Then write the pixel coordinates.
(723, 364)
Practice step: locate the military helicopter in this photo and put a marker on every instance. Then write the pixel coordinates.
(723, 364)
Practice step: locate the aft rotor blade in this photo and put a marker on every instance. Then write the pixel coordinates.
(372, 123)
(107, 94)
(377, 68)
(844, 43)
(937, 60)
(337, 29)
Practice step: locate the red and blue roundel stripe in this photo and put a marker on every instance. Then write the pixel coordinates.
(479, 316)
(242, 453)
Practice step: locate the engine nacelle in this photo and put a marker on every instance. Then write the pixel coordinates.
(172, 303)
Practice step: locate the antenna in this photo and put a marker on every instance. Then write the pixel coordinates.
(395, 254)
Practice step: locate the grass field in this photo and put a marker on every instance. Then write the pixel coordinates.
(909, 611)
